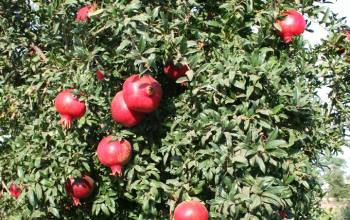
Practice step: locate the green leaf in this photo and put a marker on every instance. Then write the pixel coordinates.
(261, 164)
(274, 144)
(54, 211)
(240, 159)
(183, 45)
(277, 153)
(20, 172)
(31, 197)
(277, 26)
(213, 23)
(142, 44)
(105, 209)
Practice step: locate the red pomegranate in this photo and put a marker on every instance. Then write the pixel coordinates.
(124, 115)
(192, 210)
(142, 94)
(100, 76)
(294, 24)
(15, 191)
(347, 39)
(79, 190)
(69, 108)
(85, 12)
(175, 72)
(114, 154)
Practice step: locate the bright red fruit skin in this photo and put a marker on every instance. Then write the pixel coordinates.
(114, 154)
(85, 12)
(69, 108)
(122, 114)
(100, 76)
(175, 72)
(80, 190)
(142, 94)
(192, 210)
(14, 191)
(294, 24)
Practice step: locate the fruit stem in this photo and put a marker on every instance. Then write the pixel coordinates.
(150, 91)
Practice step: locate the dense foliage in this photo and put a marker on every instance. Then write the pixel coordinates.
(244, 136)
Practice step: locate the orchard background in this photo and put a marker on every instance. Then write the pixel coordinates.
(247, 136)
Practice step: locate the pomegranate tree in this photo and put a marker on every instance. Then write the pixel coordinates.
(122, 114)
(15, 191)
(69, 107)
(85, 12)
(80, 189)
(293, 24)
(192, 210)
(114, 154)
(142, 94)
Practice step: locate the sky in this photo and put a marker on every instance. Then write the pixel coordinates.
(342, 8)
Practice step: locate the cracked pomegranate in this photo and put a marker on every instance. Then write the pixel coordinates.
(69, 108)
(79, 190)
(142, 94)
(114, 154)
(124, 115)
(192, 210)
(293, 24)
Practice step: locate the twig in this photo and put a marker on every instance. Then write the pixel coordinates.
(43, 95)
(4, 186)
(94, 35)
(133, 42)
(3, 29)
(65, 35)
(36, 48)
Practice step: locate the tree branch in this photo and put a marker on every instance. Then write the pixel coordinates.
(94, 35)
(36, 48)
(65, 35)
(4, 186)
(3, 29)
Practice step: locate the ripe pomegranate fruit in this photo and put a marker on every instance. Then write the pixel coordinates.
(294, 24)
(69, 108)
(85, 12)
(114, 154)
(100, 76)
(15, 191)
(79, 190)
(192, 210)
(122, 114)
(347, 39)
(142, 94)
(175, 72)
